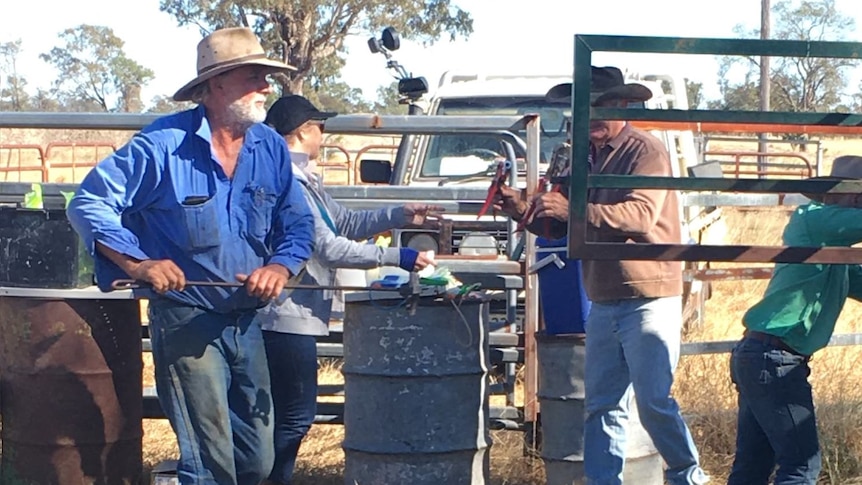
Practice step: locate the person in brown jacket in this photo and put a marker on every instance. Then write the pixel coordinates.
(634, 326)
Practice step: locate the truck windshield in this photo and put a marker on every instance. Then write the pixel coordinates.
(469, 154)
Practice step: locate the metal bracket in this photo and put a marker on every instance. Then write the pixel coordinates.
(555, 259)
(412, 292)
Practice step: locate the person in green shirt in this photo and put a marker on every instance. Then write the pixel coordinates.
(776, 425)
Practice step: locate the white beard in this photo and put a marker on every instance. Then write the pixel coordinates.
(242, 114)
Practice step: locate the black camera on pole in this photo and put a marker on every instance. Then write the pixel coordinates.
(410, 88)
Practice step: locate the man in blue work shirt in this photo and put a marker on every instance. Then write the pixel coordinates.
(206, 195)
(794, 318)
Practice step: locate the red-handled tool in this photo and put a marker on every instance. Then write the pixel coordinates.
(500, 176)
(559, 166)
(545, 186)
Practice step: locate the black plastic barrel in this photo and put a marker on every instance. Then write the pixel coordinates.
(561, 401)
(70, 380)
(416, 394)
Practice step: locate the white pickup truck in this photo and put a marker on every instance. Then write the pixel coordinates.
(470, 159)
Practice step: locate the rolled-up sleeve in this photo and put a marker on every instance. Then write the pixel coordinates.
(115, 184)
(293, 229)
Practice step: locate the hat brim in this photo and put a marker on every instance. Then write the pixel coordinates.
(824, 178)
(632, 92)
(560, 92)
(185, 92)
(323, 115)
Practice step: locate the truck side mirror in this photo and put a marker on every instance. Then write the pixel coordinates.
(375, 171)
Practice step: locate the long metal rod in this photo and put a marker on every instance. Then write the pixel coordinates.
(704, 252)
(344, 124)
(726, 184)
(720, 47)
(135, 284)
(725, 346)
(750, 117)
(763, 145)
(13, 192)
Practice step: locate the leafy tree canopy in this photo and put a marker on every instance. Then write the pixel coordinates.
(798, 84)
(13, 92)
(94, 73)
(310, 34)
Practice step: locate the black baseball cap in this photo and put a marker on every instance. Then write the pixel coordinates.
(291, 111)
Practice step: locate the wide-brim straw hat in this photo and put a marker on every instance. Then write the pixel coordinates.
(605, 83)
(227, 49)
(845, 167)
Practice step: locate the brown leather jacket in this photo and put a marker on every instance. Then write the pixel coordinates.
(632, 216)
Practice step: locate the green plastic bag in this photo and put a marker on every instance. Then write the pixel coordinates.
(33, 199)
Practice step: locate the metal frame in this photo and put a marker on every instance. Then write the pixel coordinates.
(705, 140)
(497, 274)
(585, 45)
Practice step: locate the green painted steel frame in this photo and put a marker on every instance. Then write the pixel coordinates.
(585, 45)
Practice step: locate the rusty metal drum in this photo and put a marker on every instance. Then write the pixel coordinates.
(561, 400)
(416, 394)
(70, 381)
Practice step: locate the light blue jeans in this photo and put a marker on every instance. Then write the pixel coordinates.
(213, 384)
(634, 345)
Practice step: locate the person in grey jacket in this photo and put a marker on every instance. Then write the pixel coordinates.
(290, 327)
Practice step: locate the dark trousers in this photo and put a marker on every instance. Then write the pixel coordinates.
(775, 423)
(293, 372)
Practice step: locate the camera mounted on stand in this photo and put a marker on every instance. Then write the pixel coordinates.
(410, 89)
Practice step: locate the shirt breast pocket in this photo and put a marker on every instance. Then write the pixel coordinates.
(202, 223)
(260, 204)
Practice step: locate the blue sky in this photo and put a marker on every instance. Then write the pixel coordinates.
(510, 36)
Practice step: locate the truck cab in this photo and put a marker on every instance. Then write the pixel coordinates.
(469, 159)
(465, 158)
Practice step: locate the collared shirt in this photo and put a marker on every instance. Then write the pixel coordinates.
(632, 216)
(164, 195)
(802, 301)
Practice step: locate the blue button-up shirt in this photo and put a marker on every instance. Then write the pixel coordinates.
(165, 196)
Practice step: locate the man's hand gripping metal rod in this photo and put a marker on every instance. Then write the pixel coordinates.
(410, 291)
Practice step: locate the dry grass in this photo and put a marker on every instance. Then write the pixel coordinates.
(703, 386)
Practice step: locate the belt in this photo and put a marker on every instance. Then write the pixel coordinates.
(771, 340)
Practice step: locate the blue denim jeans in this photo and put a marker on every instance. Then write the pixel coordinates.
(634, 345)
(775, 423)
(213, 384)
(293, 370)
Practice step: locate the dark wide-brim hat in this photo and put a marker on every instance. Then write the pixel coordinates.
(292, 111)
(227, 49)
(605, 83)
(845, 167)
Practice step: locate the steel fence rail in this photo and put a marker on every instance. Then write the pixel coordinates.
(725, 346)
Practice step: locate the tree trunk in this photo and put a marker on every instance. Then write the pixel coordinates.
(294, 86)
(132, 99)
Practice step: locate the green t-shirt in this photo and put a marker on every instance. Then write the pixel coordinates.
(803, 301)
